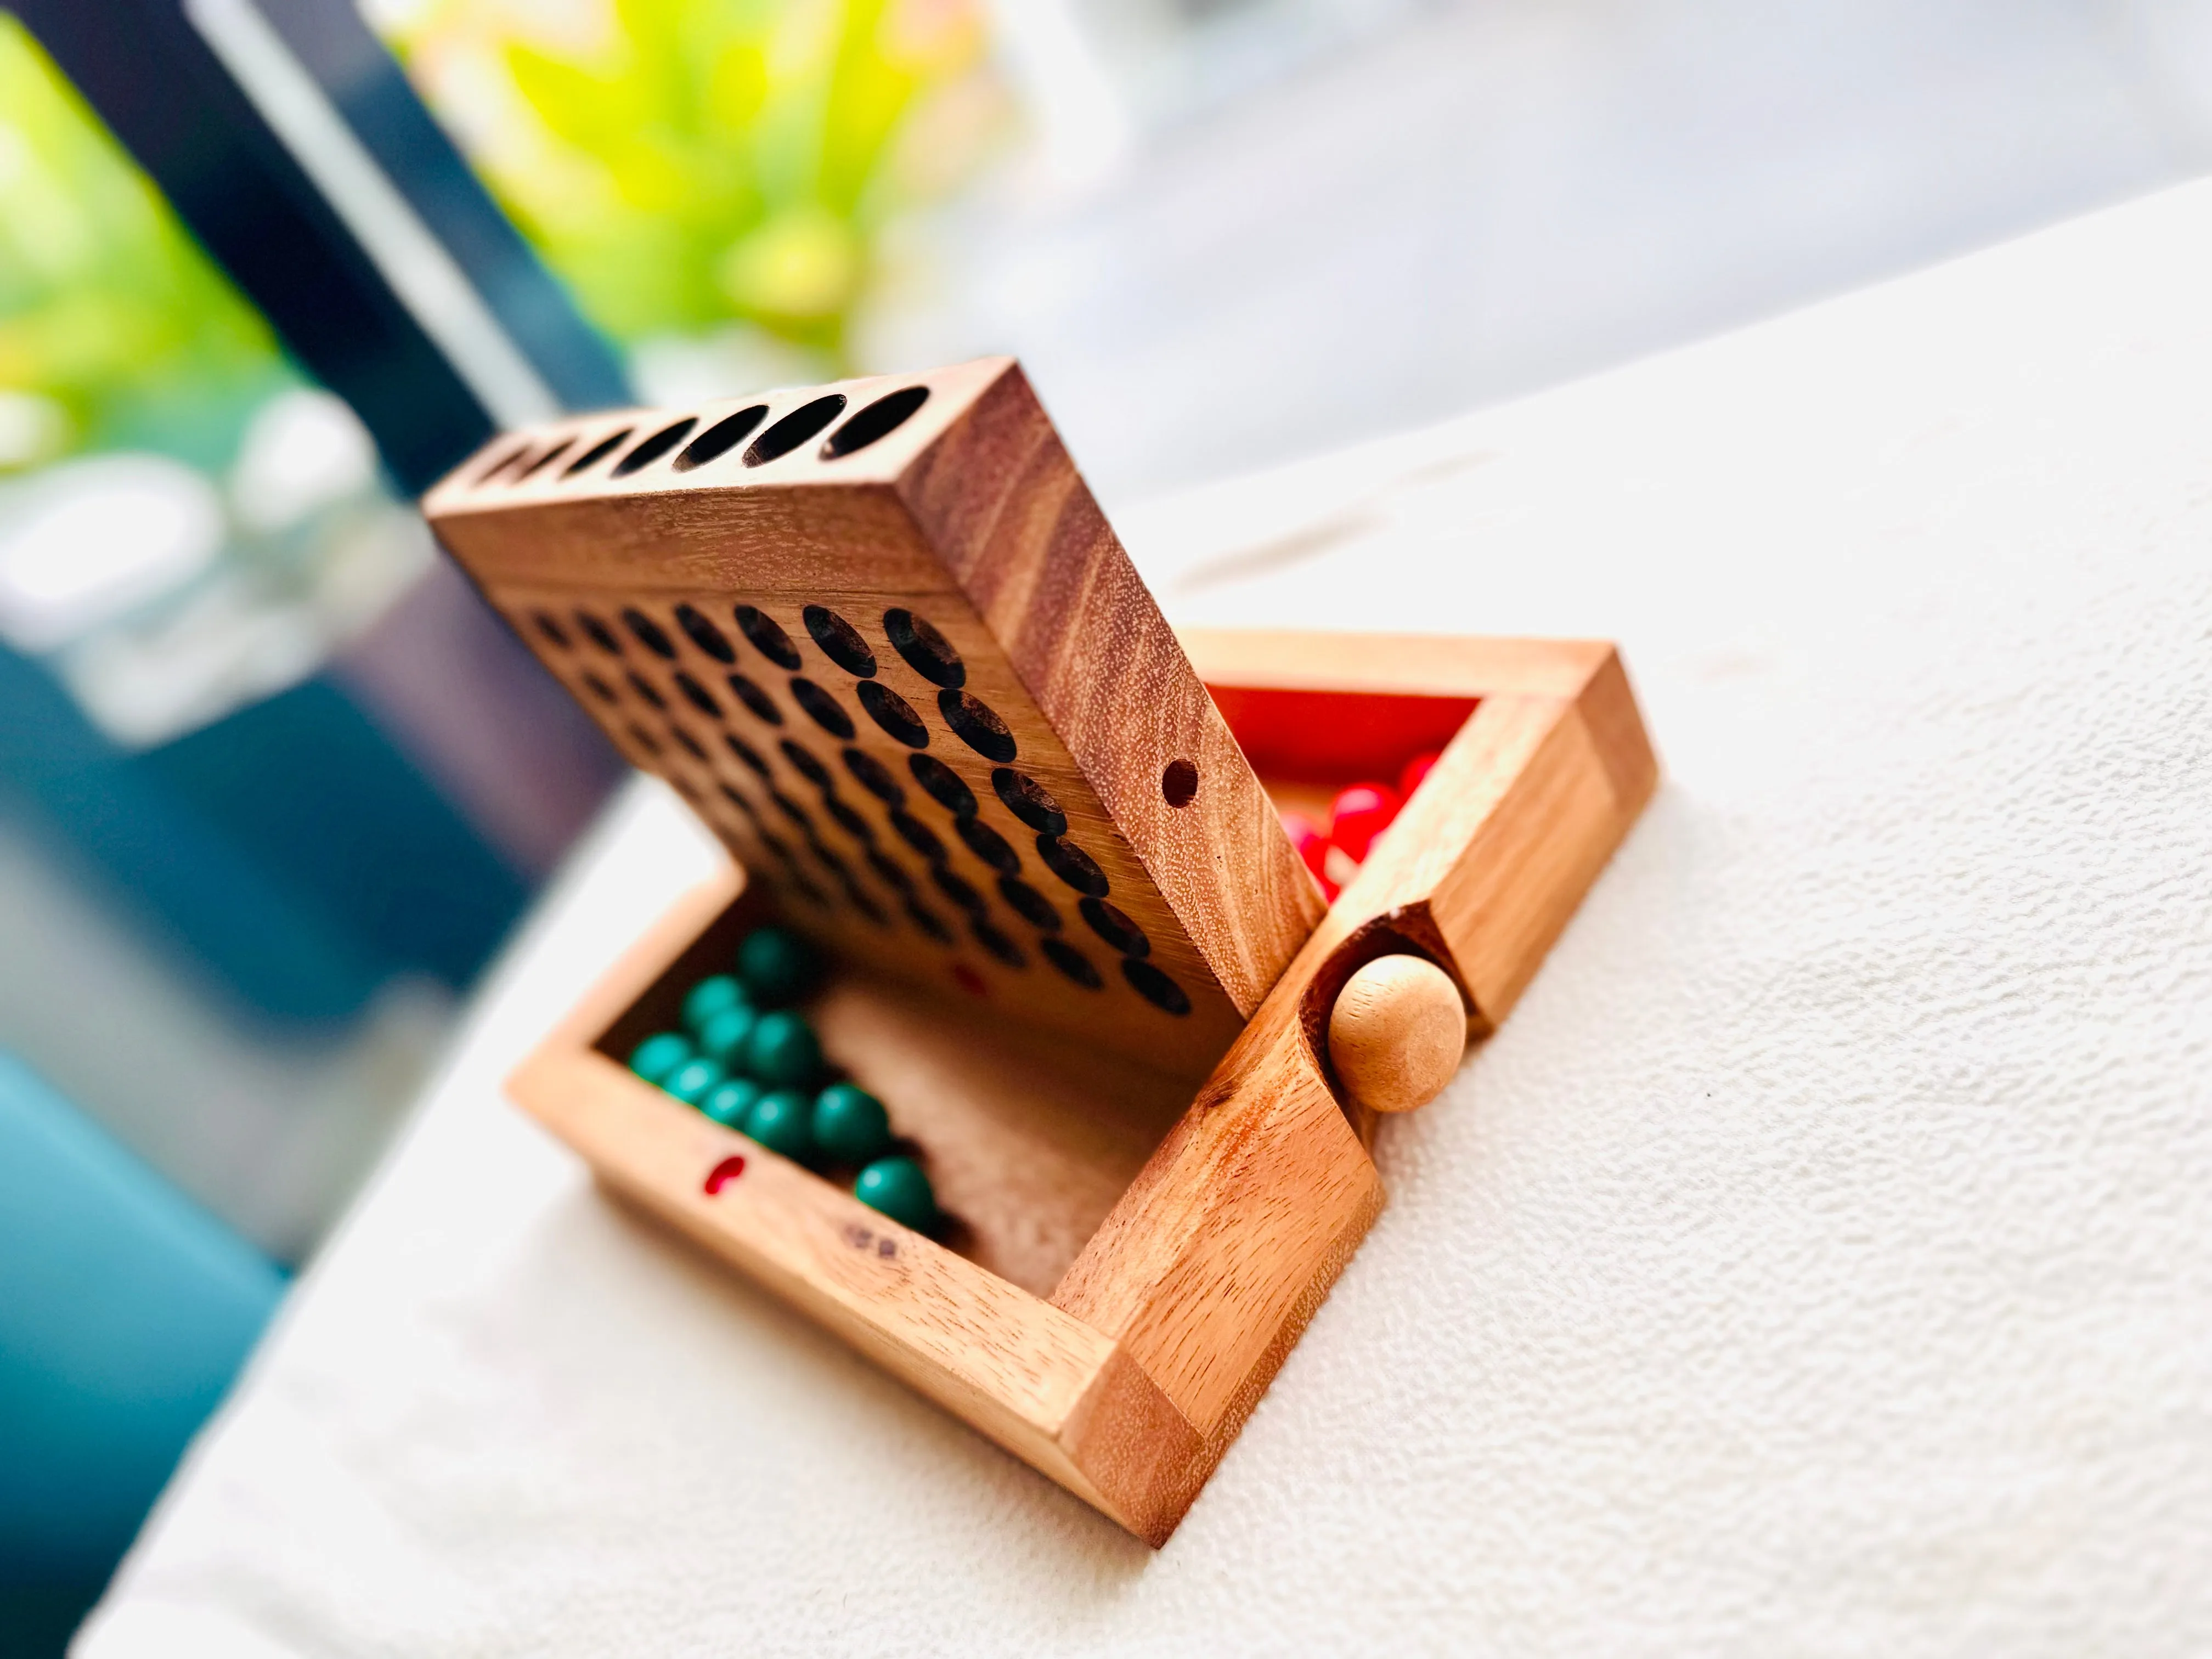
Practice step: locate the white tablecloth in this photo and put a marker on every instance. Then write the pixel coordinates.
(1819, 1262)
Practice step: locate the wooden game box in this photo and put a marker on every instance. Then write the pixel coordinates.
(1073, 952)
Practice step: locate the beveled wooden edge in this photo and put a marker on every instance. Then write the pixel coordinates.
(1485, 865)
(1420, 664)
(1049, 1388)
(1206, 1259)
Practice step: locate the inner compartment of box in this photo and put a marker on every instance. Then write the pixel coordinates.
(1029, 1138)
(1307, 744)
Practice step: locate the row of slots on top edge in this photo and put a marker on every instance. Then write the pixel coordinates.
(865, 426)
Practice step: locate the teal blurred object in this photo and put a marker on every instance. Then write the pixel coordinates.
(125, 1312)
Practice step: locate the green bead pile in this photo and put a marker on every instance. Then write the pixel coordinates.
(751, 1062)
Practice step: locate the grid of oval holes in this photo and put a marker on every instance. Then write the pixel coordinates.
(782, 755)
(794, 430)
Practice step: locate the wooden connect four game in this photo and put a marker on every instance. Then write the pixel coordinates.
(881, 638)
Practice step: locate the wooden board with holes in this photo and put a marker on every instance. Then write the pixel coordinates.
(881, 637)
(1129, 1276)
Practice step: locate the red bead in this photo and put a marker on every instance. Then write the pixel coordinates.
(1360, 814)
(1312, 847)
(1416, 773)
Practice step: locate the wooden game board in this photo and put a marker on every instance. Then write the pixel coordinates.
(1131, 1257)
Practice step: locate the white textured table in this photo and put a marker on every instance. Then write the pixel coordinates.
(1820, 1260)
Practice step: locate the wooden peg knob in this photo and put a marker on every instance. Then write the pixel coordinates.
(1396, 1033)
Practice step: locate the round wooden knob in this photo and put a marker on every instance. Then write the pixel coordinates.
(1396, 1033)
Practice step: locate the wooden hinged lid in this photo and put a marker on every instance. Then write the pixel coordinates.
(881, 637)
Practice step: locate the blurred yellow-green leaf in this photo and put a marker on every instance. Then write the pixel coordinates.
(111, 316)
(689, 164)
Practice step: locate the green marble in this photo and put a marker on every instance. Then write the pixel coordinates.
(850, 1125)
(691, 1082)
(723, 1037)
(728, 1101)
(782, 1050)
(781, 1121)
(897, 1188)
(659, 1055)
(776, 965)
(710, 997)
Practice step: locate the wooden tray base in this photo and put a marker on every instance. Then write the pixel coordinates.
(1128, 1267)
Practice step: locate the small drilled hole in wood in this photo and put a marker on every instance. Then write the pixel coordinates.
(550, 631)
(997, 943)
(1110, 924)
(1179, 783)
(829, 860)
(654, 447)
(648, 633)
(1030, 801)
(928, 920)
(892, 872)
(719, 439)
(804, 762)
(698, 696)
(598, 453)
(724, 1173)
(762, 705)
(976, 724)
(740, 802)
(598, 633)
(927, 652)
(646, 688)
(794, 429)
(1073, 865)
(812, 892)
(847, 820)
(958, 891)
(822, 707)
(919, 836)
(600, 689)
(943, 785)
(1072, 962)
(552, 454)
(644, 739)
(1031, 906)
(704, 635)
(689, 744)
(875, 777)
(989, 845)
(766, 636)
(1155, 987)
(840, 641)
(894, 713)
(748, 757)
(878, 420)
(792, 809)
(781, 848)
(506, 459)
(866, 906)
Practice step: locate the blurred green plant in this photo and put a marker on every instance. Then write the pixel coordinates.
(688, 163)
(116, 329)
